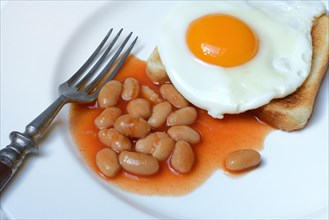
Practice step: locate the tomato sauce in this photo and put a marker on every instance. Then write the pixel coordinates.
(220, 137)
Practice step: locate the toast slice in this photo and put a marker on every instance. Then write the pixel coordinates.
(293, 111)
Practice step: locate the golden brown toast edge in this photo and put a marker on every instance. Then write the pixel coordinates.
(292, 112)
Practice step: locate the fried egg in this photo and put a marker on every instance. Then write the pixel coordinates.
(228, 57)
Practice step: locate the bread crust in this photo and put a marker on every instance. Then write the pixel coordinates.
(293, 111)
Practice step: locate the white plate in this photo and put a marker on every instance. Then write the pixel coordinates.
(42, 42)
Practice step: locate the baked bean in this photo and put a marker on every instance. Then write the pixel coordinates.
(183, 116)
(155, 69)
(109, 94)
(107, 117)
(182, 159)
(131, 89)
(139, 108)
(163, 148)
(242, 160)
(147, 144)
(183, 132)
(107, 162)
(159, 115)
(150, 95)
(131, 126)
(170, 93)
(138, 163)
(112, 138)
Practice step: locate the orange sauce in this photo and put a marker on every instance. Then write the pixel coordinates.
(219, 139)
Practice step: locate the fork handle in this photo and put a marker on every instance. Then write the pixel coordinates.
(5, 174)
(22, 144)
(12, 156)
(36, 128)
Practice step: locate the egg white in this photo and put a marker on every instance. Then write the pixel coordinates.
(280, 66)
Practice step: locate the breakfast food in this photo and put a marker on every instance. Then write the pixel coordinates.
(159, 115)
(292, 112)
(169, 92)
(253, 57)
(141, 132)
(178, 170)
(138, 163)
(107, 117)
(150, 130)
(182, 158)
(242, 160)
(110, 94)
(185, 133)
(155, 70)
(107, 162)
(131, 89)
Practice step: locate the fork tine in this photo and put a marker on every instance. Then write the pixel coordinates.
(99, 62)
(73, 78)
(123, 59)
(117, 67)
(105, 70)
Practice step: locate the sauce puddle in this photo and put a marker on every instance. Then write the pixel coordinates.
(219, 139)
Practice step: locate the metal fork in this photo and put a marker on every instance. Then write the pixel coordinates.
(80, 88)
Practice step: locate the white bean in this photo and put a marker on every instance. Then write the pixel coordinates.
(150, 95)
(170, 93)
(163, 148)
(183, 116)
(131, 89)
(139, 108)
(242, 159)
(112, 138)
(183, 132)
(147, 144)
(159, 115)
(182, 159)
(107, 117)
(107, 162)
(138, 163)
(131, 126)
(109, 94)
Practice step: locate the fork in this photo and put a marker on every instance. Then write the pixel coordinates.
(82, 87)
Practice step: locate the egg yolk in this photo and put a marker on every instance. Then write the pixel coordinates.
(221, 40)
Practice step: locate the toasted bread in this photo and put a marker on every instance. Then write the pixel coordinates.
(293, 111)
(155, 69)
